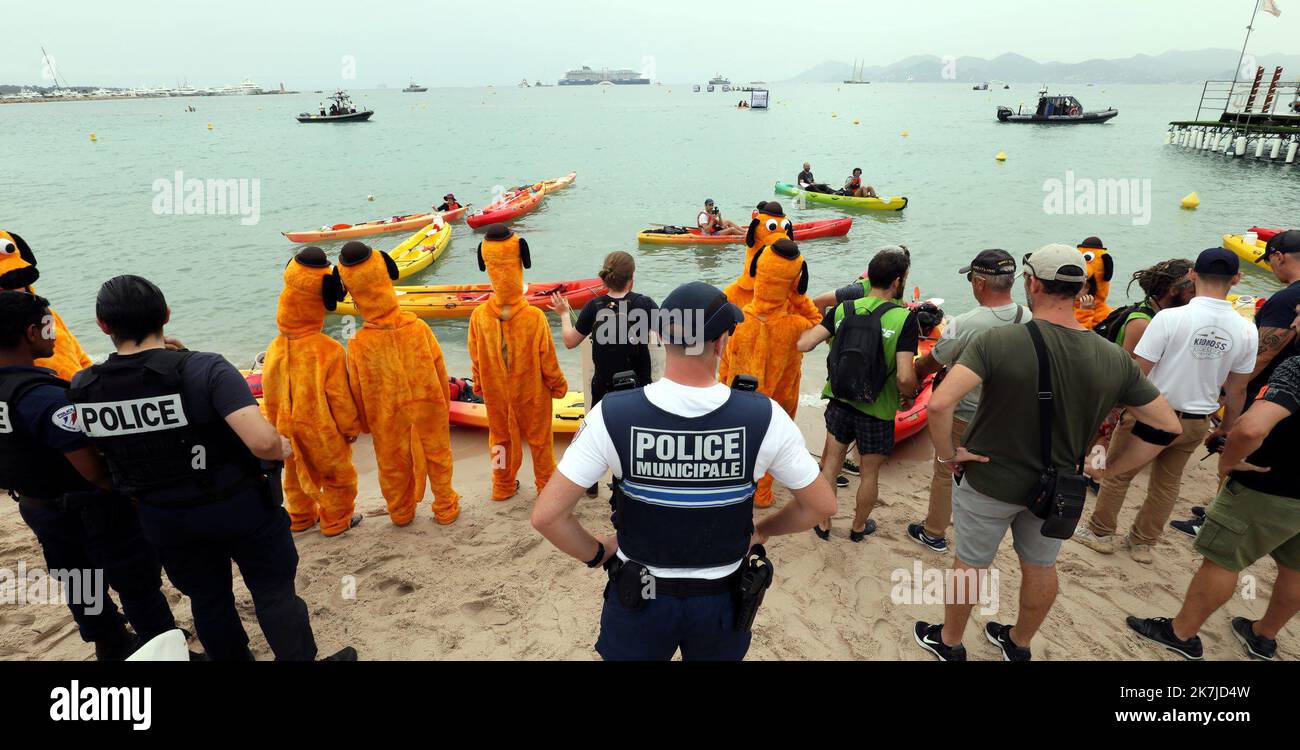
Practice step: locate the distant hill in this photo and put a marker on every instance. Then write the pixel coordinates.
(1169, 67)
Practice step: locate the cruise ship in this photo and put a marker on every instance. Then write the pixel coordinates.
(585, 76)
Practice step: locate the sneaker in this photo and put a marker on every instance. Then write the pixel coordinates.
(1140, 553)
(851, 468)
(917, 532)
(868, 529)
(347, 653)
(1085, 536)
(841, 481)
(1198, 511)
(929, 637)
(1000, 635)
(1257, 646)
(1160, 631)
(117, 645)
(1190, 528)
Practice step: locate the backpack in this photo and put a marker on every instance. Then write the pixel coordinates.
(856, 365)
(1114, 323)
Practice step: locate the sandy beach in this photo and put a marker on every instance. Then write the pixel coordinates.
(489, 587)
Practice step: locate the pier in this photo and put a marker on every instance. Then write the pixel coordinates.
(1244, 120)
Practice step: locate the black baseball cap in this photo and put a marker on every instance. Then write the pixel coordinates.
(1284, 242)
(1217, 261)
(992, 262)
(696, 313)
(708, 201)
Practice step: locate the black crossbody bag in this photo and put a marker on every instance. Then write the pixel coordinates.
(1059, 498)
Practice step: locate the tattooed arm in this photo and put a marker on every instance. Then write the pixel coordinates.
(1272, 341)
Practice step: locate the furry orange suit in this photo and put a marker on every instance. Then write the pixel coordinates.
(515, 369)
(305, 382)
(17, 274)
(767, 226)
(1101, 269)
(764, 345)
(399, 383)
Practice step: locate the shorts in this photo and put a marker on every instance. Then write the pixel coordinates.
(1243, 525)
(981, 522)
(847, 425)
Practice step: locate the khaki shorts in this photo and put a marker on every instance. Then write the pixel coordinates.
(981, 523)
(1242, 526)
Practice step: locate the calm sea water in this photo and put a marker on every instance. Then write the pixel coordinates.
(643, 154)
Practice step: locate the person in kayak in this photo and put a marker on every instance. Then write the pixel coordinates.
(853, 186)
(806, 181)
(449, 203)
(712, 224)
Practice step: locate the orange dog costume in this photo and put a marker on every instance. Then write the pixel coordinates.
(515, 369)
(17, 274)
(764, 345)
(399, 383)
(767, 226)
(305, 382)
(1101, 269)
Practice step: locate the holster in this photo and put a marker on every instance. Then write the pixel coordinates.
(628, 581)
(756, 575)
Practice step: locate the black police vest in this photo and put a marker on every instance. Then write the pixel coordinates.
(686, 495)
(26, 467)
(134, 411)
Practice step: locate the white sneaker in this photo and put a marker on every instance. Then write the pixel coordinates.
(1139, 552)
(1103, 544)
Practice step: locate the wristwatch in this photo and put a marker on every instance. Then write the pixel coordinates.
(600, 555)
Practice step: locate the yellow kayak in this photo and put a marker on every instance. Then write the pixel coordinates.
(1252, 254)
(546, 187)
(421, 249)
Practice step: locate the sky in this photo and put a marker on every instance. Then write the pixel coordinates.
(316, 43)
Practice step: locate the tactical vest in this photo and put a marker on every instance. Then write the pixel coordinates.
(28, 468)
(134, 411)
(686, 495)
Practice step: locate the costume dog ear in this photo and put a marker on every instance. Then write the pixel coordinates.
(753, 264)
(524, 255)
(24, 250)
(803, 278)
(789, 230)
(391, 265)
(481, 265)
(753, 227)
(331, 290)
(1109, 263)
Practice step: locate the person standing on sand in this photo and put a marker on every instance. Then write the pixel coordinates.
(1190, 353)
(686, 565)
(1278, 313)
(998, 468)
(991, 275)
(1256, 513)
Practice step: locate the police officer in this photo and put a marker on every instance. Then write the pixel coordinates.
(61, 484)
(686, 564)
(182, 435)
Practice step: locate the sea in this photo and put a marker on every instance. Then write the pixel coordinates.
(94, 208)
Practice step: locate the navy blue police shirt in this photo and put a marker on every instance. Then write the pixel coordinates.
(45, 414)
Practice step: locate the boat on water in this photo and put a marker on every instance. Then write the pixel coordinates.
(414, 88)
(980, 87)
(1055, 110)
(696, 88)
(719, 80)
(524, 84)
(857, 73)
(341, 109)
(585, 76)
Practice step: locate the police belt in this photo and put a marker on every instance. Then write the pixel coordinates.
(63, 504)
(679, 588)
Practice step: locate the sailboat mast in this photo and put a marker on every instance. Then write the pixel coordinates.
(54, 74)
(1242, 58)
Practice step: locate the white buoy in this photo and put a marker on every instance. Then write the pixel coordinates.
(370, 197)
(1227, 143)
(1259, 148)
(1275, 148)
(1169, 137)
(1240, 148)
(1290, 152)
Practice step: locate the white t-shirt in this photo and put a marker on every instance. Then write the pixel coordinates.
(1195, 348)
(782, 453)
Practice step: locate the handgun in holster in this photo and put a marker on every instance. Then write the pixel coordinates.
(756, 574)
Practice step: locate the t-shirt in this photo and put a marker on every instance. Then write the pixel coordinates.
(901, 333)
(45, 414)
(1195, 348)
(1139, 313)
(620, 334)
(806, 178)
(1278, 451)
(1277, 312)
(961, 330)
(783, 453)
(1090, 376)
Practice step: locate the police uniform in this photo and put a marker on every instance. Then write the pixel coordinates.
(685, 462)
(80, 528)
(158, 417)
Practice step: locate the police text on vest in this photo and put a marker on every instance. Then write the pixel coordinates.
(114, 418)
(688, 455)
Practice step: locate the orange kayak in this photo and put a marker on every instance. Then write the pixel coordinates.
(550, 186)
(445, 301)
(405, 223)
(508, 209)
(808, 230)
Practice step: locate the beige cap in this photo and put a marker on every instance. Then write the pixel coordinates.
(1056, 262)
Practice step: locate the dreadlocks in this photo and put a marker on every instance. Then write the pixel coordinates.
(1157, 280)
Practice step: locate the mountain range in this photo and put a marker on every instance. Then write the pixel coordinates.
(1169, 67)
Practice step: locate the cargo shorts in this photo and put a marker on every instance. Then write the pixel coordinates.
(1243, 525)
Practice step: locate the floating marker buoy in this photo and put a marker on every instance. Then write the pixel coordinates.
(834, 115)
(855, 121)
(209, 126)
(93, 138)
(370, 197)
(1190, 201)
(1002, 156)
(904, 134)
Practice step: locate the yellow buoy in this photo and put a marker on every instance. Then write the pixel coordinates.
(1002, 156)
(855, 121)
(834, 115)
(209, 126)
(93, 137)
(1190, 201)
(904, 133)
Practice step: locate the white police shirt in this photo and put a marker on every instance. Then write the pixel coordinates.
(782, 453)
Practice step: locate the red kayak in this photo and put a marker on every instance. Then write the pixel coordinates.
(808, 230)
(1266, 234)
(508, 209)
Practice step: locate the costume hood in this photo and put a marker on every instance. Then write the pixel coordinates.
(504, 255)
(311, 287)
(777, 272)
(17, 263)
(768, 225)
(368, 275)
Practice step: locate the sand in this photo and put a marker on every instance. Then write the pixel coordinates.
(489, 587)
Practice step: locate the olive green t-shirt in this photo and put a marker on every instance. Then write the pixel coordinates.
(1090, 375)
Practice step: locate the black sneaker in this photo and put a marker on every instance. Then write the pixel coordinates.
(1198, 511)
(117, 646)
(1191, 527)
(841, 481)
(1160, 631)
(1000, 635)
(929, 637)
(1257, 646)
(851, 468)
(868, 529)
(918, 533)
(347, 653)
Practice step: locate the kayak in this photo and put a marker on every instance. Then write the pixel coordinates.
(421, 249)
(895, 203)
(550, 186)
(910, 421)
(1252, 254)
(508, 208)
(1266, 234)
(369, 228)
(468, 410)
(808, 230)
(1246, 305)
(445, 301)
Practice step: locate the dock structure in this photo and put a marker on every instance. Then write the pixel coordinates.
(1233, 119)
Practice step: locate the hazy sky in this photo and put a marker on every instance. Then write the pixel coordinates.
(303, 42)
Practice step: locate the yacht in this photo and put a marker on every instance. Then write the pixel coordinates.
(719, 80)
(585, 76)
(414, 88)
